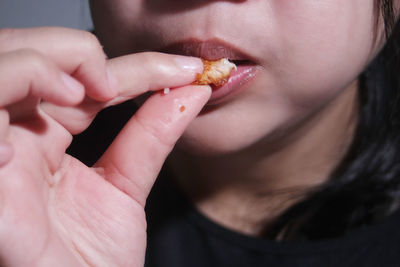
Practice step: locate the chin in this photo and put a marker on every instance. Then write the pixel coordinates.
(217, 134)
(208, 147)
(233, 127)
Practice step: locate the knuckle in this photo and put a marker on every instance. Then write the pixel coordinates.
(31, 57)
(91, 43)
(30, 54)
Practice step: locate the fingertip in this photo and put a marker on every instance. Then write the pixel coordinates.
(203, 92)
(202, 89)
(175, 109)
(206, 88)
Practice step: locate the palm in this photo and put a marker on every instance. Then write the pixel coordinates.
(51, 202)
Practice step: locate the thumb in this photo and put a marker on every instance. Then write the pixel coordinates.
(136, 156)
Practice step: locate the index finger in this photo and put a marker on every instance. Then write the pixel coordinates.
(133, 75)
(138, 73)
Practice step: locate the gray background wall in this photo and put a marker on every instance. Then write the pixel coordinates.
(28, 13)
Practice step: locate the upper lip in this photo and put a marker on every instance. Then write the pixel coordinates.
(211, 49)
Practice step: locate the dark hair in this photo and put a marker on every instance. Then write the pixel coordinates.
(365, 187)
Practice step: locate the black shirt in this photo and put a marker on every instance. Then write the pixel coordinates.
(180, 236)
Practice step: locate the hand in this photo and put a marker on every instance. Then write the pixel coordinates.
(54, 210)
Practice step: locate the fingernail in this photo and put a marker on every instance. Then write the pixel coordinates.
(192, 64)
(72, 84)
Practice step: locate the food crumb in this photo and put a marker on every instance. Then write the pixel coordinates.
(166, 91)
(182, 108)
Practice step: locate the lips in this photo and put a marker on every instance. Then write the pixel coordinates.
(210, 50)
(216, 49)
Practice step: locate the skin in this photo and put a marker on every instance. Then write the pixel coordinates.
(54, 210)
(53, 207)
(294, 122)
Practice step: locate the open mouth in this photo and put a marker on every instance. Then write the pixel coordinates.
(241, 62)
(213, 49)
(216, 49)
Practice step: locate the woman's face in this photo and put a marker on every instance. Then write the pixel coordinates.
(303, 55)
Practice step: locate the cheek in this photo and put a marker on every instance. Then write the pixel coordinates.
(313, 51)
(323, 47)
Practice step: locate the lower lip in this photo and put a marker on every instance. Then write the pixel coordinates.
(236, 84)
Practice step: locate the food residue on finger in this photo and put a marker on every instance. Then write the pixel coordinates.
(182, 108)
(215, 72)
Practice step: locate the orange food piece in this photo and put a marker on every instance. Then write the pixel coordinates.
(215, 72)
